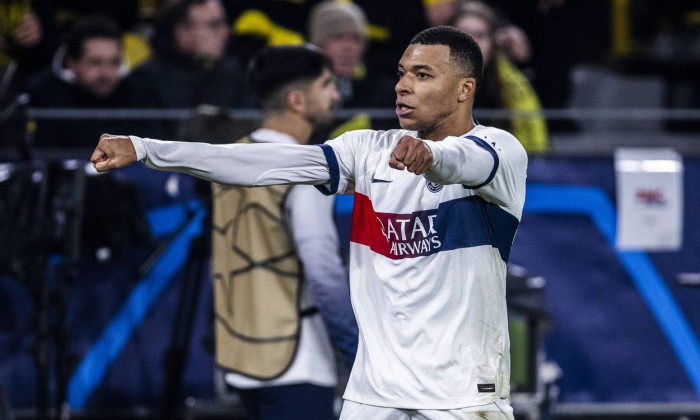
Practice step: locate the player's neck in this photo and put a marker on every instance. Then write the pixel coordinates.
(448, 128)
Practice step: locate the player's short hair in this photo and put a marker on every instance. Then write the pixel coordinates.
(91, 27)
(274, 71)
(465, 53)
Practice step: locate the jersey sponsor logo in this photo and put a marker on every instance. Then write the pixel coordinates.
(455, 224)
(410, 235)
(376, 180)
(433, 187)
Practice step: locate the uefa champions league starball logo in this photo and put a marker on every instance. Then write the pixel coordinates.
(433, 187)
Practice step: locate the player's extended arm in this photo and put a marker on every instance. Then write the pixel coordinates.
(234, 164)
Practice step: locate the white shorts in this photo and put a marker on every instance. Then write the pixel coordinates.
(356, 411)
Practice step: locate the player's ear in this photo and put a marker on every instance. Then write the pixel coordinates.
(296, 100)
(467, 88)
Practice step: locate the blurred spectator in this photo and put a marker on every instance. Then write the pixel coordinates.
(340, 30)
(28, 39)
(511, 39)
(439, 12)
(130, 15)
(504, 86)
(87, 72)
(190, 66)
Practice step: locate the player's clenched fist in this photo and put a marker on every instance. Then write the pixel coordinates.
(412, 154)
(113, 152)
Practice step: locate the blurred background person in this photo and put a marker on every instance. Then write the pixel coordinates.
(134, 18)
(512, 40)
(339, 28)
(281, 291)
(189, 66)
(504, 87)
(28, 39)
(88, 71)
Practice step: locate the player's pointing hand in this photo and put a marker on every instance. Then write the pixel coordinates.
(113, 152)
(411, 154)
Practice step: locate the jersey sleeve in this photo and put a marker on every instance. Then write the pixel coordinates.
(493, 164)
(248, 165)
(342, 154)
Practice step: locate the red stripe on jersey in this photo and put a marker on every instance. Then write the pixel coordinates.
(366, 228)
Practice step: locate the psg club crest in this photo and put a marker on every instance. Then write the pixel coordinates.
(433, 187)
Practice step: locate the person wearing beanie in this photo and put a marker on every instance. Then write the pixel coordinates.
(339, 28)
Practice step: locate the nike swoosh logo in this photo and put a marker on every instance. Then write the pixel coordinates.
(375, 180)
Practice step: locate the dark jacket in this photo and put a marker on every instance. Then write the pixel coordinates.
(177, 81)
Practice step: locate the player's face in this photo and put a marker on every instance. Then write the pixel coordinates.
(97, 69)
(322, 97)
(428, 92)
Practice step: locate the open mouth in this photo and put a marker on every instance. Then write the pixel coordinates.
(402, 109)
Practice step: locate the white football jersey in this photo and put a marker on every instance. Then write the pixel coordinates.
(428, 267)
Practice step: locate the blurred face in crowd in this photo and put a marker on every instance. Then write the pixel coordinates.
(480, 30)
(97, 69)
(204, 33)
(345, 51)
(430, 91)
(321, 98)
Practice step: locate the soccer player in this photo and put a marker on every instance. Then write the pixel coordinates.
(437, 204)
